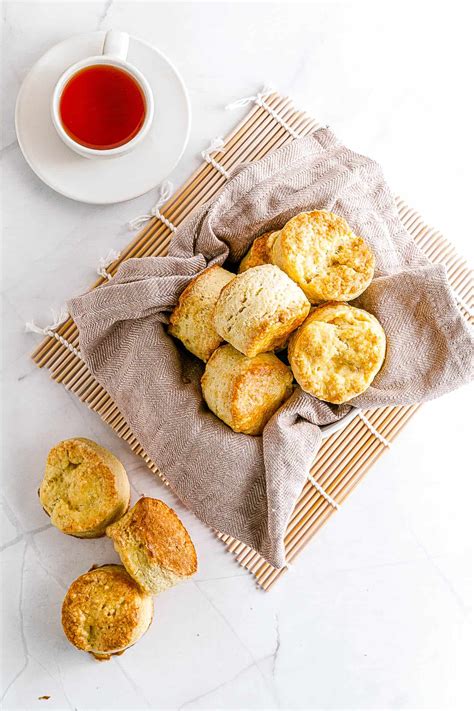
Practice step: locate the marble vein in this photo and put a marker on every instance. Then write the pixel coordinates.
(224, 619)
(219, 686)
(234, 632)
(138, 690)
(25, 534)
(104, 14)
(24, 644)
(6, 149)
(459, 601)
(277, 645)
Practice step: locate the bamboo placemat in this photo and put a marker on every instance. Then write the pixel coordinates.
(346, 456)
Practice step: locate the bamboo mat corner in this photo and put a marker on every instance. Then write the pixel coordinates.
(345, 457)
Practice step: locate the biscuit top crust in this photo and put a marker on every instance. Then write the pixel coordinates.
(337, 352)
(258, 309)
(156, 529)
(245, 392)
(259, 252)
(321, 253)
(85, 487)
(262, 386)
(105, 611)
(192, 320)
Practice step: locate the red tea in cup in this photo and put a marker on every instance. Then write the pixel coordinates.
(102, 107)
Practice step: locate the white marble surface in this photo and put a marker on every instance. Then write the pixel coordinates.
(376, 612)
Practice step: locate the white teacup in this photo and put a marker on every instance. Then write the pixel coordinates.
(114, 54)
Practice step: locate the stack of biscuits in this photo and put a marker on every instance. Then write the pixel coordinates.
(86, 493)
(289, 298)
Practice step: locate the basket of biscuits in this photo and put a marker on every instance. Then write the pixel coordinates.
(283, 318)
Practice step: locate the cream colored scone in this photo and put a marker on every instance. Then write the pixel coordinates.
(245, 392)
(337, 352)
(259, 253)
(105, 611)
(192, 320)
(319, 251)
(154, 546)
(85, 487)
(258, 310)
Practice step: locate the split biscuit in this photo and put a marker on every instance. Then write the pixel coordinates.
(192, 320)
(245, 392)
(84, 489)
(258, 310)
(319, 251)
(259, 253)
(105, 611)
(337, 352)
(154, 546)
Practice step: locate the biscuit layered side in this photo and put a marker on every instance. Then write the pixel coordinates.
(245, 392)
(319, 251)
(84, 489)
(192, 320)
(258, 309)
(154, 546)
(337, 352)
(105, 611)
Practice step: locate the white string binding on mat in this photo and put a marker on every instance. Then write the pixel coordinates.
(58, 319)
(323, 493)
(166, 191)
(104, 262)
(215, 145)
(375, 432)
(464, 305)
(259, 99)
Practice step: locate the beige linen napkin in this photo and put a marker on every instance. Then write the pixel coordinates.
(241, 485)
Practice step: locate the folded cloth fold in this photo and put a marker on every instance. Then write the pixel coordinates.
(247, 486)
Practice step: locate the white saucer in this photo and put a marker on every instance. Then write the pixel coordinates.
(102, 181)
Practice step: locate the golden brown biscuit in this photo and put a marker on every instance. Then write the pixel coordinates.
(154, 546)
(105, 611)
(258, 309)
(337, 352)
(259, 253)
(85, 487)
(192, 320)
(319, 251)
(245, 392)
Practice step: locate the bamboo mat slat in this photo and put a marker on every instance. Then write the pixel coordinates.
(345, 457)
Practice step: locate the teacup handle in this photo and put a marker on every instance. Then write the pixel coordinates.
(116, 44)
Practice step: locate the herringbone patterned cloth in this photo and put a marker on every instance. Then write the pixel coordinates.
(247, 486)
